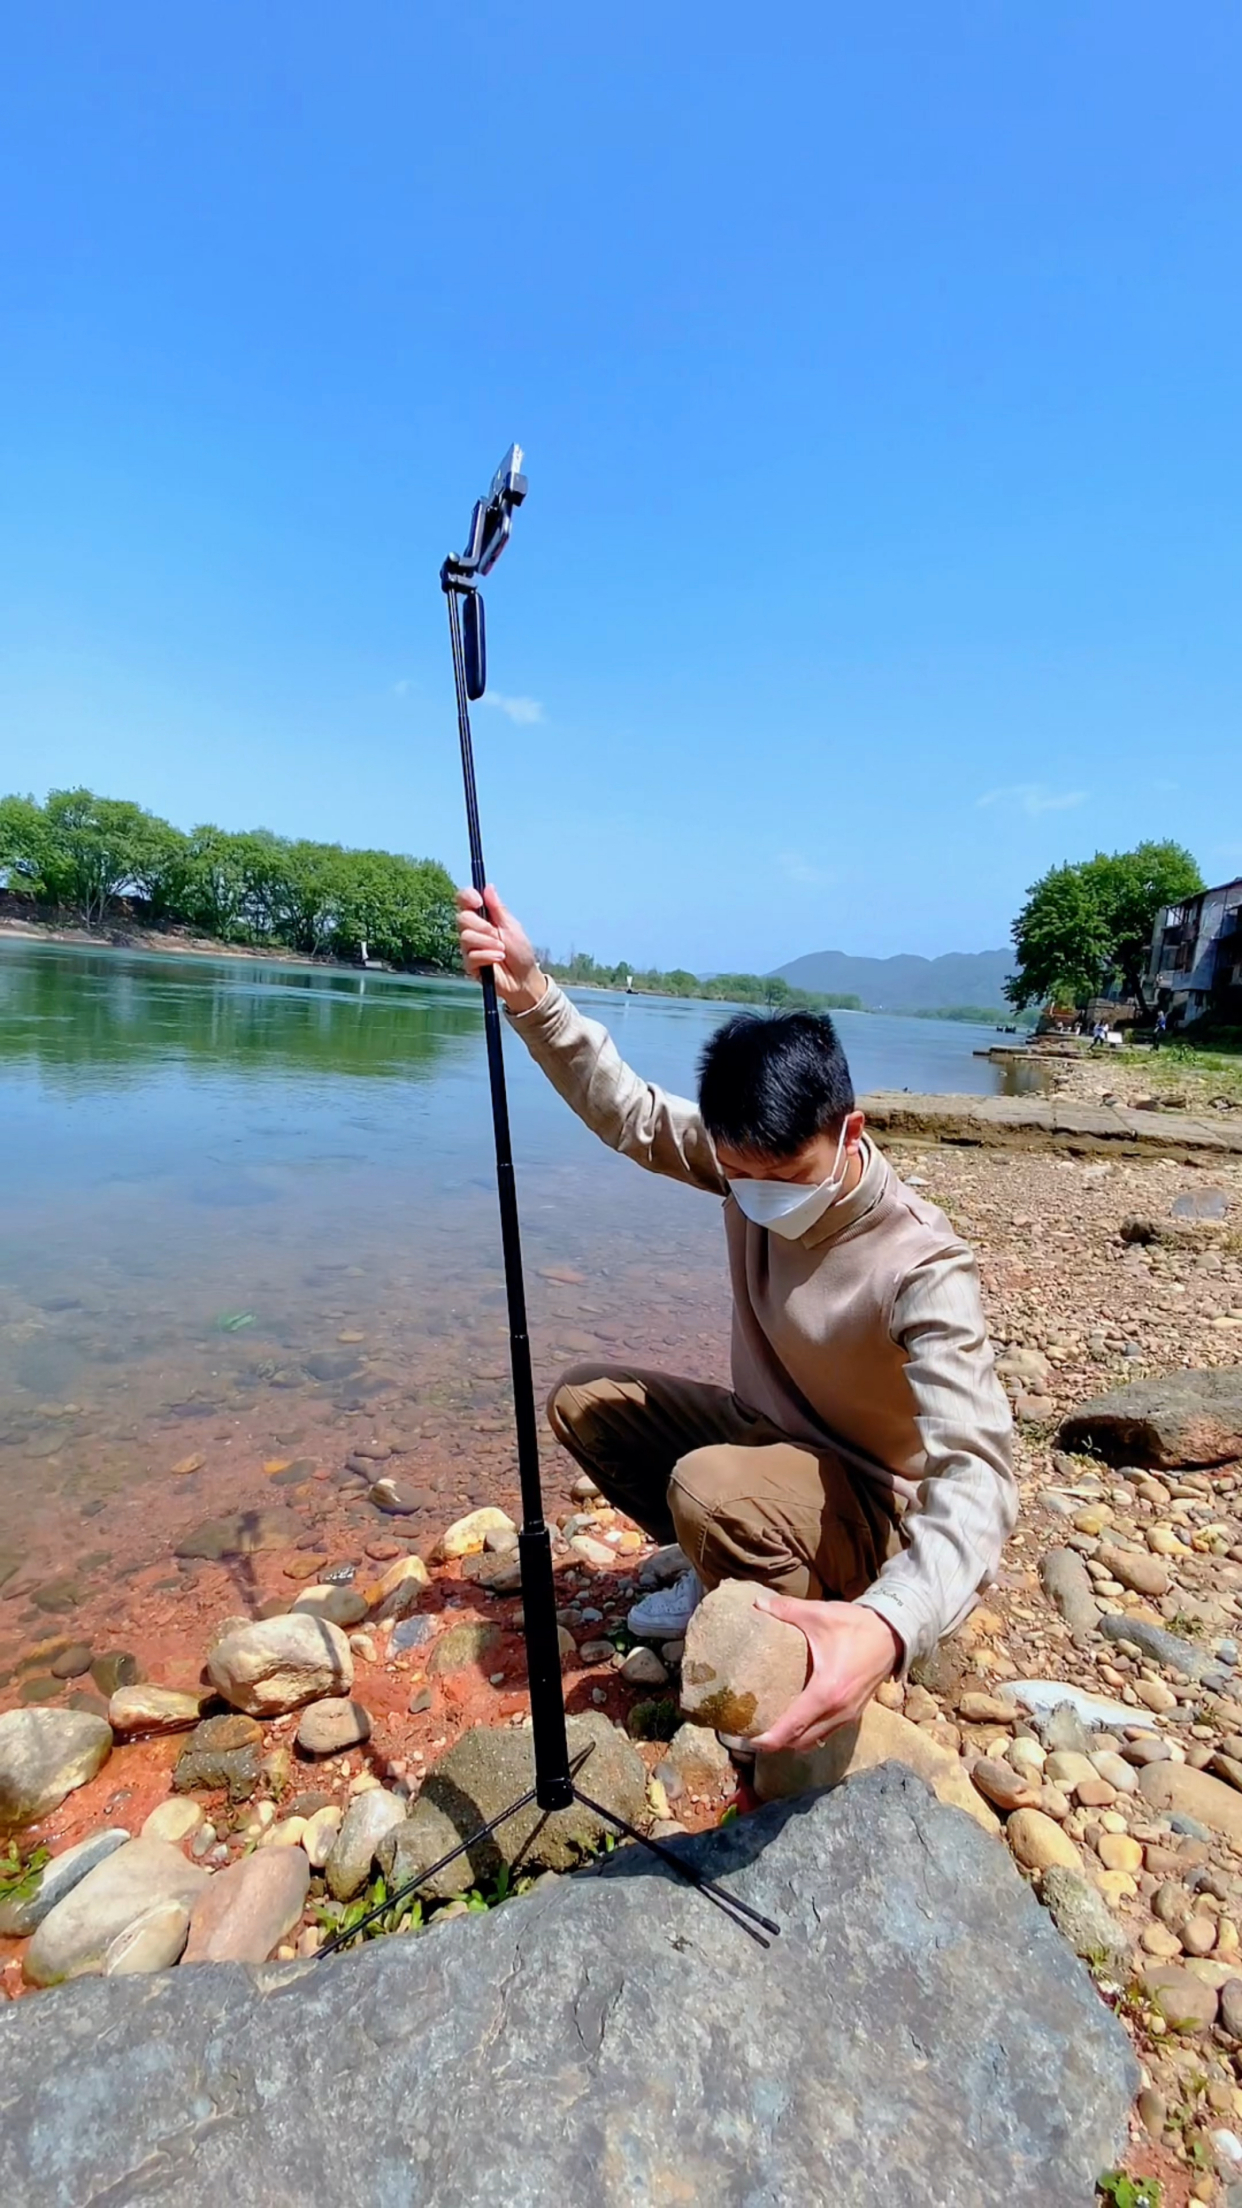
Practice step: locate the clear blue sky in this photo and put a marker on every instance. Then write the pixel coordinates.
(878, 371)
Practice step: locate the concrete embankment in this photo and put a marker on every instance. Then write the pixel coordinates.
(1053, 1123)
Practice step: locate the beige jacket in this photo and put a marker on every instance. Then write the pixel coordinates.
(865, 1336)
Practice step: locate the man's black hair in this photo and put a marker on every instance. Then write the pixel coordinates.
(771, 1084)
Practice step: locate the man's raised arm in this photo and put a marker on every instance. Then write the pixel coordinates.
(663, 1133)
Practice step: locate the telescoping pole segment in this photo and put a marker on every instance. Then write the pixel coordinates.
(554, 1784)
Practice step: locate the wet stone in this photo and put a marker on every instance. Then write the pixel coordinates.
(222, 1752)
(72, 1661)
(116, 1668)
(40, 1687)
(56, 1596)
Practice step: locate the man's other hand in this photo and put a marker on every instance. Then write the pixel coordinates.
(853, 1650)
(490, 936)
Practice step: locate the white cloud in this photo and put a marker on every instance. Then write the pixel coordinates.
(525, 711)
(1034, 798)
(796, 868)
(403, 688)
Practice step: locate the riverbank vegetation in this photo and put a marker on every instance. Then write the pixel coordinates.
(582, 971)
(104, 860)
(1086, 928)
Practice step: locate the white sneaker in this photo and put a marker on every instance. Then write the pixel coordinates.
(665, 1615)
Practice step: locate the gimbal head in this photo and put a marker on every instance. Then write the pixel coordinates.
(462, 572)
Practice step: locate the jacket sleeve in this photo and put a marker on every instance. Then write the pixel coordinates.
(580, 1059)
(967, 1503)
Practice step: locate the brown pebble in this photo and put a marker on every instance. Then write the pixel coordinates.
(72, 1662)
(304, 1567)
(1153, 2109)
(420, 1701)
(382, 1552)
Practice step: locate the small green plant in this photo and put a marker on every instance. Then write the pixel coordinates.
(335, 1919)
(729, 1816)
(1129, 2192)
(19, 1875)
(658, 1718)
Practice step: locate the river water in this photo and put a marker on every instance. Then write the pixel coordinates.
(248, 1216)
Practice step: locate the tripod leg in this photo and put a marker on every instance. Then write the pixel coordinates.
(433, 1870)
(740, 1911)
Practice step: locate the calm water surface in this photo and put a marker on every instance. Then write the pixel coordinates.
(248, 1210)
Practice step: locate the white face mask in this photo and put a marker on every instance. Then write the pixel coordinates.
(789, 1208)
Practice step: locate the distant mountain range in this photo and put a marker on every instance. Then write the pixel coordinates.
(905, 983)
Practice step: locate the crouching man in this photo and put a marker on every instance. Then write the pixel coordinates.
(859, 1467)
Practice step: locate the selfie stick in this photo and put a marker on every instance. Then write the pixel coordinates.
(555, 1775)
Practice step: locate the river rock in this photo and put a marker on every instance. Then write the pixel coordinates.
(1039, 1843)
(486, 1770)
(1182, 1418)
(366, 1821)
(742, 1667)
(1181, 1791)
(44, 1755)
(148, 1709)
(246, 1533)
(466, 1535)
(1183, 2000)
(319, 1834)
(1160, 1647)
(1137, 1569)
(75, 1936)
(344, 1606)
(117, 1667)
(642, 1668)
(222, 1752)
(395, 1593)
(172, 1820)
(462, 1648)
(880, 1735)
(1083, 1917)
(72, 1662)
(249, 1908)
(18, 1919)
(330, 1726)
(1002, 1786)
(901, 1926)
(153, 1942)
(277, 1664)
(700, 1759)
(1067, 1584)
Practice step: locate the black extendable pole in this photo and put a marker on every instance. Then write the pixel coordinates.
(553, 1782)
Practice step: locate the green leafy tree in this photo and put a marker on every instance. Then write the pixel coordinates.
(23, 843)
(97, 848)
(1084, 925)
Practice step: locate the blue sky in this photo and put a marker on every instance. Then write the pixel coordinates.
(878, 372)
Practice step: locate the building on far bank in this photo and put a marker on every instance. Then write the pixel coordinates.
(1196, 957)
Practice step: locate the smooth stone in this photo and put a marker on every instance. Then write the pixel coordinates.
(329, 1727)
(148, 1709)
(1194, 1796)
(115, 1668)
(880, 1735)
(249, 1908)
(1083, 1917)
(1138, 1569)
(319, 1834)
(985, 1709)
(902, 1927)
(344, 1606)
(278, 1664)
(153, 1942)
(742, 1667)
(1183, 2000)
(1066, 1768)
(1170, 1650)
(395, 1593)
(642, 1668)
(699, 1759)
(246, 1533)
(1118, 1852)
(72, 1662)
(466, 1535)
(484, 1771)
(1038, 1842)
(1119, 1774)
(74, 1938)
(45, 1755)
(172, 1820)
(1068, 1585)
(1231, 2007)
(594, 1552)
(1001, 1785)
(366, 1821)
(18, 1919)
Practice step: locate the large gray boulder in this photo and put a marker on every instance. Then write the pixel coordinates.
(1182, 1418)
(919, 2033)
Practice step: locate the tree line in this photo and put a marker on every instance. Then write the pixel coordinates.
(1086, 928)
(96, 857)
(582, 970)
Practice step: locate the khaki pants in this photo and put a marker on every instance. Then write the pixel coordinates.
(691, 1463)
